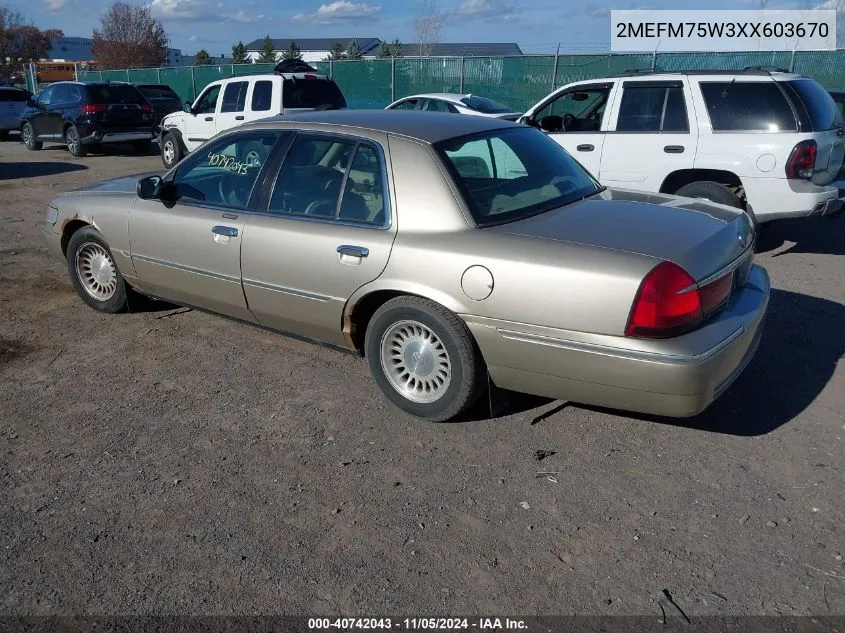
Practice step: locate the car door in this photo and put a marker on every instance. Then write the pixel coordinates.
(187, 246)
(199, 124)
(40, 118)
(575, 119)
(327, 231)
(650, 135)
(265, 99)
(233, 106)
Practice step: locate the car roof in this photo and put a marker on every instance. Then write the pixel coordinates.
(446, 96)
(750, 72)
(429, 127)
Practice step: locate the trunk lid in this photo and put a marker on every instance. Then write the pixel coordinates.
(700, 236)
(120, 106)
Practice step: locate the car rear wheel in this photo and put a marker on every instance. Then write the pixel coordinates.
(74, 143)
(718, 193)
(28, 138)
(424, 358)
(93, 272)
(171, 151)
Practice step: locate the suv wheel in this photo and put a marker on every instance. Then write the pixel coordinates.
(171, 151)
(718, 193)
(28, 138)
(74, 143)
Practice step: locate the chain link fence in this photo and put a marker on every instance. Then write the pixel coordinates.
(518, 82)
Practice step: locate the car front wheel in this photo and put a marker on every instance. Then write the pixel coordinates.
(424, 358)
(171, 151)
(93, 272)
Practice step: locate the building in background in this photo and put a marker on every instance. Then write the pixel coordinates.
(461, 49)
(315, 49)
(79, 49)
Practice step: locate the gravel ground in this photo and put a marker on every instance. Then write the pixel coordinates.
(173, 462)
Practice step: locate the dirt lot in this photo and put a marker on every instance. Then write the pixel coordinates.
(169, 462)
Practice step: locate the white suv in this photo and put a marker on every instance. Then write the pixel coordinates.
(293, 87)
(765, 141)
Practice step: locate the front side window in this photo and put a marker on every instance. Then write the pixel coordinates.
(747, 106)
(513, 173)
(224, 173)
(577, 110)
(652, 108)
(234, 97)
(331, 178)
(262, 96)
(410, 104)
(484, 105)
(45, 97)
(207, 103)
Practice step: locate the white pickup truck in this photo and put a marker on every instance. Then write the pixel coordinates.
(293, 87)
(765, 141)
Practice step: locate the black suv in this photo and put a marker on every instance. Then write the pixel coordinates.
(85, 116)
(163, 99)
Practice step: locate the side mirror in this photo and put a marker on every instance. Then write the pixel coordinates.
(186, 108)
(149, 188)
(31, 103)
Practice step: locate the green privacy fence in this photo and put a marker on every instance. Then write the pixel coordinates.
(518, 82)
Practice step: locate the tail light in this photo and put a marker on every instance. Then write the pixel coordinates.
(146, 107)
(669, 302)
(94, 108)
(802, 160)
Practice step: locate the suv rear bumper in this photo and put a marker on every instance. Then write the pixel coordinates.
(126, 136)
(779, 198)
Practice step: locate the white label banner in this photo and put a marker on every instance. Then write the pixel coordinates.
(715, 31)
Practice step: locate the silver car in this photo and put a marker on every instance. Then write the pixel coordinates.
(445, 250)
(12, 103)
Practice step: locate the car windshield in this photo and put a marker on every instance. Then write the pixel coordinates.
(512, 173)
(115, 93)
(485, 106)
(158, 92)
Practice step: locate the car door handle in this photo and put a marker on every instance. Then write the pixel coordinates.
(353, 251)
(674, 149)
(228, 231)
(240, 117)
(586, 148)
(209, 118)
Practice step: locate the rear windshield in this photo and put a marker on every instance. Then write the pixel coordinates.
(114, 94)
(513, 173)
(820, 107)
(486, 106)
(746, 106)
(158, 92)
(311, 93)
(13, 95)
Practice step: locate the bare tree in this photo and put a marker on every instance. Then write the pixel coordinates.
(427, 26)
(129, 36)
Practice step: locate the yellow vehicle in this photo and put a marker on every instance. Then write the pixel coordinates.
(49, 72)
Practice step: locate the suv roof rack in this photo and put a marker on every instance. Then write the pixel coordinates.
(293, 66)
(749, 70)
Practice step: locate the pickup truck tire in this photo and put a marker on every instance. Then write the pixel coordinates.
(171, 150)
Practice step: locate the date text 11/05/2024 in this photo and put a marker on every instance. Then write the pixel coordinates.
(417, 624)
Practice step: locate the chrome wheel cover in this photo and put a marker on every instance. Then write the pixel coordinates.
(415, 362)
(96, 271)
(252, 159)
(169, 152)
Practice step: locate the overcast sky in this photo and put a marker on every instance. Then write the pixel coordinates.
(536, 25)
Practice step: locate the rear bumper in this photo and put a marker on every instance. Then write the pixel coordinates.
(677, 377)
(779, 198)
(126, 136)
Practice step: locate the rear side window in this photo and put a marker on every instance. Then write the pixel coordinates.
(652, 108)
(13, 95)
(822, 112)
(486, 106)
(234, 97)
(747, 106)
(115, 93)
(311, 93)
(262, 96)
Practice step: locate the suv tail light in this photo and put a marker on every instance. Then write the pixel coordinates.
(802, 160)
(146, 107)
(90, 108)
(669, 302)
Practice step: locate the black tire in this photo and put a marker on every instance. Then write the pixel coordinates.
(74, 143)
(28, 138)
(254, 151)
(171, 150)
(4, 135)
(88, 244)
(718, 193)
(142, 148)
(467, 379)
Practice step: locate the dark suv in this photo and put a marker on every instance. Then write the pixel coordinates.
(163, 99)
(86, 116)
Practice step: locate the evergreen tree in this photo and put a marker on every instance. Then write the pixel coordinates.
(354, 51)
(239, 54)
(396, 48)
(267, 55)
(337, 53)
(202, 58)
(292, 52)
(384, 51)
